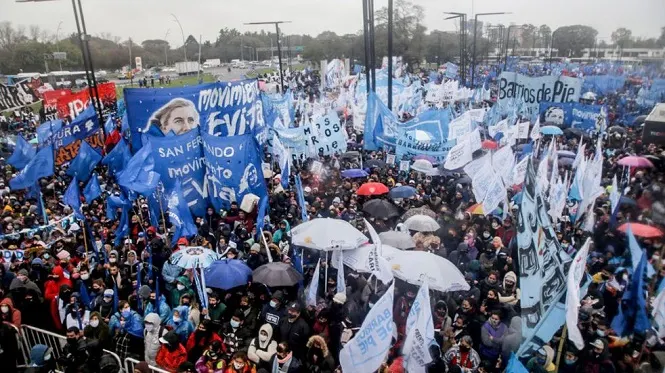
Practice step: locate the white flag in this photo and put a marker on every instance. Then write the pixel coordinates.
(581, 148)
(502, 162)
(313, 287)
(523, 130)
(575, 275)
(419, 332)
(365, 352)
(519, 171)
(535, 131)
(459, 155)
(373, 260)
(615, 196)
(658, 313)
(341, 282)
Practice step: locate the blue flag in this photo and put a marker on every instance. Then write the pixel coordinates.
(23, 153)
(72, 198)
(636, 253)
(301, 198)
(41, 165)
(179, 215)
(260, 218)
(118, 157)
(124, 126)
(84, 162)
(46, 130)
(138, 174)
(92, 189)
(515, 366)
(123, 227)
(85, 297)
(113, 203)
(115, 295)
(632, 316)
(109, 125)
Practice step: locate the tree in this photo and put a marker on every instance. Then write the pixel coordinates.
(529, 36)
(621, 37)
(571, 40)
(661, 39)
(408, 31)
(544, 34)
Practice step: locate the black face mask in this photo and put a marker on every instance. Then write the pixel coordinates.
(72, 341)
(464, 348)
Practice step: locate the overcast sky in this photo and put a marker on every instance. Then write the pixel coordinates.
(150, 19)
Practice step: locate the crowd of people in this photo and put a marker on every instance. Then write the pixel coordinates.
(135, 302)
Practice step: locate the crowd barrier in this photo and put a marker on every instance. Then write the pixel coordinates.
(29, 336)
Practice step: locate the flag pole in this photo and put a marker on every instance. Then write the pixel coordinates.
(85, 242)
(161, 209)
(561, 343)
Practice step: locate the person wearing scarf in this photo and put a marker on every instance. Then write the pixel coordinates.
(284, 361)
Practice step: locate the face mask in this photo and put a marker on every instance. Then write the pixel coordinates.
(570, 362)
(180, 287)
(126, 313)
(263, 338)
(149, 327)
(370, 305)
(464, 348)
(600, 333)
(176, 319)
(273, 304)
(4, 309)
(238, 366)
(47, 357)
(85, 276)
(235, 324)
(486, 235)
(494, 322)
(71, 341)
(94, 323)
(495, 225)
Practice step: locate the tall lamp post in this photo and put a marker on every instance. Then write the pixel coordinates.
(475, 33)
(508, 41)
(57, 43)
(279, 48)
(462, 42)
(184, 46)
(166, 48)
(552, 46)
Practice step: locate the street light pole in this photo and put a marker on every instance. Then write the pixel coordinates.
(57, 43)
(390, 54)
(184, 46)
(462, 42)
(475, 32)
(279, 48)
(166, 48)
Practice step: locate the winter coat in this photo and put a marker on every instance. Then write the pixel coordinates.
(184, 327)
(133, 324)
(260, 353)
(324, 361)
(176, 294)
(52, 287)
(100, 333)
(506, 296)
(171, 360)
(512, 339)
(295, 334)
(13, 316)
(164, 309)
(151, 338)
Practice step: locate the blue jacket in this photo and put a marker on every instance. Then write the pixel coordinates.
(133, 324)
(164, 309)
(183, 328)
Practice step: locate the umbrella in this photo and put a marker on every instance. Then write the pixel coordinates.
(422, 223)
(616, 129)
(551, 130)
(642, 230)
(477, 209)
(193, 257)
(463, 180)
(441, 274)
(276, 274)
(351, 154)
(419, 211)
(227, 273)
(354, 173)
(424, 166)
(639, 120)
(403, 191)
(380, 208)
(489, 144)
(427, 158)
(634, 161)
(575, 132)
(566, 161)
(400, 240)
(565, 154)
(358, 259)
(375, 163)
(372, 189)
(327, 234)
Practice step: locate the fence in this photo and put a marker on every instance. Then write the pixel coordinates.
(29, 336)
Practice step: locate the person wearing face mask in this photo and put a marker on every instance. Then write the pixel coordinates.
(75, 313)
(463, 356)
(491, 334)
(262, 348)
(249, 311)
(509, 293)
(294, 330)
(52, 286)
(543, 361)
(22, 280)
(153, 331)
(171, 352)
(284, 228)
(9, 314)
(126, 327)
(240, 364)
(75, 355)
(41, 360)
(597, 358)
(318, 358)
(570, 360)
(198, 341)
(273, 312)
(33, 310)
(97, 329)
(182, 286)
(212, 360)
(235, 335)
(151, 304)
(180, 324)
(490, 283)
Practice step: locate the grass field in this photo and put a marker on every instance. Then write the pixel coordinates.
(178, 82)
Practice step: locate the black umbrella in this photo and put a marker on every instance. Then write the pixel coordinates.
(639, 120)
(380, 208)
(276, 274)
(616, 129)
(575, 132)
(463, 180)
(375, 163)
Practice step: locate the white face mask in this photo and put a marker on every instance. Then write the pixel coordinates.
(149, 327)
(263, 338)
(94, 323)
(176, 319)
(4, 309)
(238, 366)
(85, 276)
(113, 260)
(180, 287)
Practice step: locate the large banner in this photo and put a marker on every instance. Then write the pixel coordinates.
(589, 118)
(67, 140)
(51, 102)
(527, 92)
(20, 94)
(188, 127)
(71, 105)
(426, 134)
(541, 259)
(323, 137)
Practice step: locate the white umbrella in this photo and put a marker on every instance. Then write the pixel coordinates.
(193, 257)
(422, 223)
(358, 259)
(400, 240)
(413, 266)
(328, 235)
(425, 166)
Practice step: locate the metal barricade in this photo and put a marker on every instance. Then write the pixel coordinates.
(32, 336)
(22, 359)
(131, 363)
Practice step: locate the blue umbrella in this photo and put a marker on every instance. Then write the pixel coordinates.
(354, 173)
(551, 131)
(227, 273)
(403, 191)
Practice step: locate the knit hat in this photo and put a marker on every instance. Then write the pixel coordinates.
(63, 255)
(278, 295)
(255, 247)
(144, 291)
(23, 272)
(339, 298)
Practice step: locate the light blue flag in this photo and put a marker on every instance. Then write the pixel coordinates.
(41, 165)
(109, 125)
(515, 366)
(23, 153)
(138, 174)
(113, 203)
(301, 198)
(632, 316)
(72, 198)
(124, 126)
(85, 161)
(179, 215)
(118, 157)
(46, 130)
(636, 253)
(92, 190)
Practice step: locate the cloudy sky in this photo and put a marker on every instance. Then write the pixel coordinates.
(150, 19)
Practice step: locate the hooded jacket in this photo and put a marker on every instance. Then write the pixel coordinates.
(277, 236)
(164, 309)
(324, 360)
(100, 333)
(171, 359)
(512, 339)
(151, 338)
(535, 367)
(506, 296)
(52, 287)
(14, 315)
(184, 327)
(176, 294)
(133, 324)
(260, 353)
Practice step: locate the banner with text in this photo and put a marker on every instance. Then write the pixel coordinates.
(72, 104)
(527, 92)
(573, 114)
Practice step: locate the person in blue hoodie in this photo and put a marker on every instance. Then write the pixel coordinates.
(149, 299)
(126, 328)
(284, 228)
(180, 324)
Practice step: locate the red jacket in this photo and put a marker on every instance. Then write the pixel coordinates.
(204, 342)
(171, 360)
(52, 287)
(13, 316)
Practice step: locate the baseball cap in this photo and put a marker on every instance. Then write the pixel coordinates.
(294, 306)
(597, 343)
